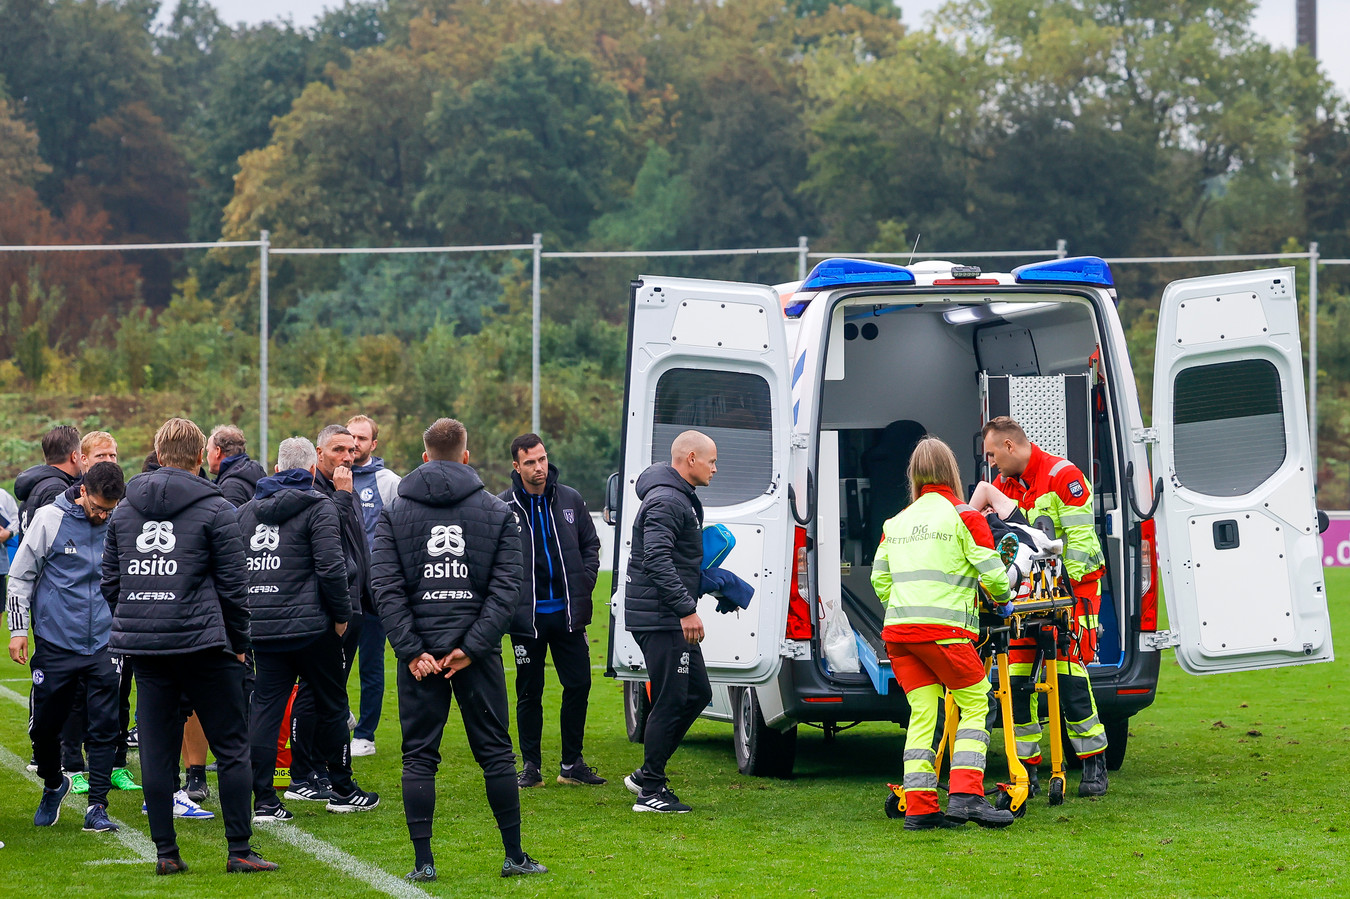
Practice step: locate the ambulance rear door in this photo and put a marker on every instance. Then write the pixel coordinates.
(1237, 527)
(712, 356)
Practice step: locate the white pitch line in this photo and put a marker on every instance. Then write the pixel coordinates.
(376, 878)
(136, 842)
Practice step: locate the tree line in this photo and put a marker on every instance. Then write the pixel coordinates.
(1127, 127)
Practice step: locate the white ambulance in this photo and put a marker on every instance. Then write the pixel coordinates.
(816, 392)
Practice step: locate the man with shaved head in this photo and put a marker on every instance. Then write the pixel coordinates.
(661, 608)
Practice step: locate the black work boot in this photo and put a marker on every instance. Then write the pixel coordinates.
(931, 821)
(1094, 776)
(1033, 782)
(963, 807)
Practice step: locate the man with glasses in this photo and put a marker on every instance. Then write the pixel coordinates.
(54, 586)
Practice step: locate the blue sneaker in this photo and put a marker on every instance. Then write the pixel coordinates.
(183, 807)
(96, 819)
(49, 809)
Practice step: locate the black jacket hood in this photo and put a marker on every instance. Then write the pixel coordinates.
(662, 474)
(440, 483)
(165, 492)
(30, 478)
(285, 504)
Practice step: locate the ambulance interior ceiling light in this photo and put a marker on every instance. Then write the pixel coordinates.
(967, 315)
(1074, 270)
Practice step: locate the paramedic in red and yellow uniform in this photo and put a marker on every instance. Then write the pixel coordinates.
(927, 571)
(1046, 486)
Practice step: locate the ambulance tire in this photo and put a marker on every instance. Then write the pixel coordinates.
(637, 705)
(1117, 737)
(761, 751)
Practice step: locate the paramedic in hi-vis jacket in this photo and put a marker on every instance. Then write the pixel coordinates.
(1046, 486)
(932, 558)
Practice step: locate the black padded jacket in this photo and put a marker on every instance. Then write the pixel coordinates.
(239, 480)
(354, 546)
(36, 487)
(297, 577)
(665, 568)
(173, 568)
(446, 570)
(571, 535)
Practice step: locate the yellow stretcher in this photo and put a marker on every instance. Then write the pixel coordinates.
(1044, 614)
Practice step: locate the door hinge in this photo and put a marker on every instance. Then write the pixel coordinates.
(799, 441)
(795, 649)
(1144, 435)
(1159, 640)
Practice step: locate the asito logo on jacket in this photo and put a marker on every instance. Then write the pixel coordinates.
(446, 540)
(265, 536)
(156, 537)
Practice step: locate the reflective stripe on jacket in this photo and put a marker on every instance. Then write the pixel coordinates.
(1055, 488)
(932, 557)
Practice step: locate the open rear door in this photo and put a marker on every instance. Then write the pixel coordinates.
(713, 356)
(1237, 526)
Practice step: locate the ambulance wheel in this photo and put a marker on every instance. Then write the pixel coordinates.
(1056, 791)
(1117, 737)
(637, 704)
(893, 809)
(761, 751)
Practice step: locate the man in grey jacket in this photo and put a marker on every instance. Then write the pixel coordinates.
(54, 586)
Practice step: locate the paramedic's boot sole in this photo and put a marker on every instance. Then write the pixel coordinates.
(963, 807)
(933, 821)
(1094, 782)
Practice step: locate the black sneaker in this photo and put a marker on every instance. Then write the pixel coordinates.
(134, 742)
(271, 814)
(529, 776)
(580, 774)
(308, 791)
(170, 865)
(197, 788)
(634, 782)
(424, 874)
(248, 863)
(49, 807)
(356, 801)
(526, 865)
(665, 802)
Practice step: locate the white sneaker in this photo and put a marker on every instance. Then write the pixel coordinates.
(362, 747)
(183, 807)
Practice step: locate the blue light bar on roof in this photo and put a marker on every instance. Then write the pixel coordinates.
(854, 273)
(1074, 270)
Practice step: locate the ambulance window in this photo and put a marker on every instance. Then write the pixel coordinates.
(1228, 426)
(733, 408)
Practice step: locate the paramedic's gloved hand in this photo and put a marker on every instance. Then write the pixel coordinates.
(1004, 611)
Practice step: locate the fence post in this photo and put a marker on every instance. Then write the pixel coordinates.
(1061, 248)
(262, 352)
(534, 330)
(1312, 353)
(803, 245)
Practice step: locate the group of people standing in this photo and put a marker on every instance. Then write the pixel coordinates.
(220, 612)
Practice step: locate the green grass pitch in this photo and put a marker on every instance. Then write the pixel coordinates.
(1234, 785)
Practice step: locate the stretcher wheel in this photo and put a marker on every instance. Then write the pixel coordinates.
(893, 809)
(1056, 791)
(1004, 803)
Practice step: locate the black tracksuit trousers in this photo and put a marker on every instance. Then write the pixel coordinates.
(213, 681)
(58, 675)
(306, 758)
(680, 693)
(572, 659)
(320, 664)
(75, 733)
(423, 707)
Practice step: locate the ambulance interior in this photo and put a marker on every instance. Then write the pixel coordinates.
(895, 371)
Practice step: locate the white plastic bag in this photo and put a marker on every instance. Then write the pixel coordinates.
(841, 651)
